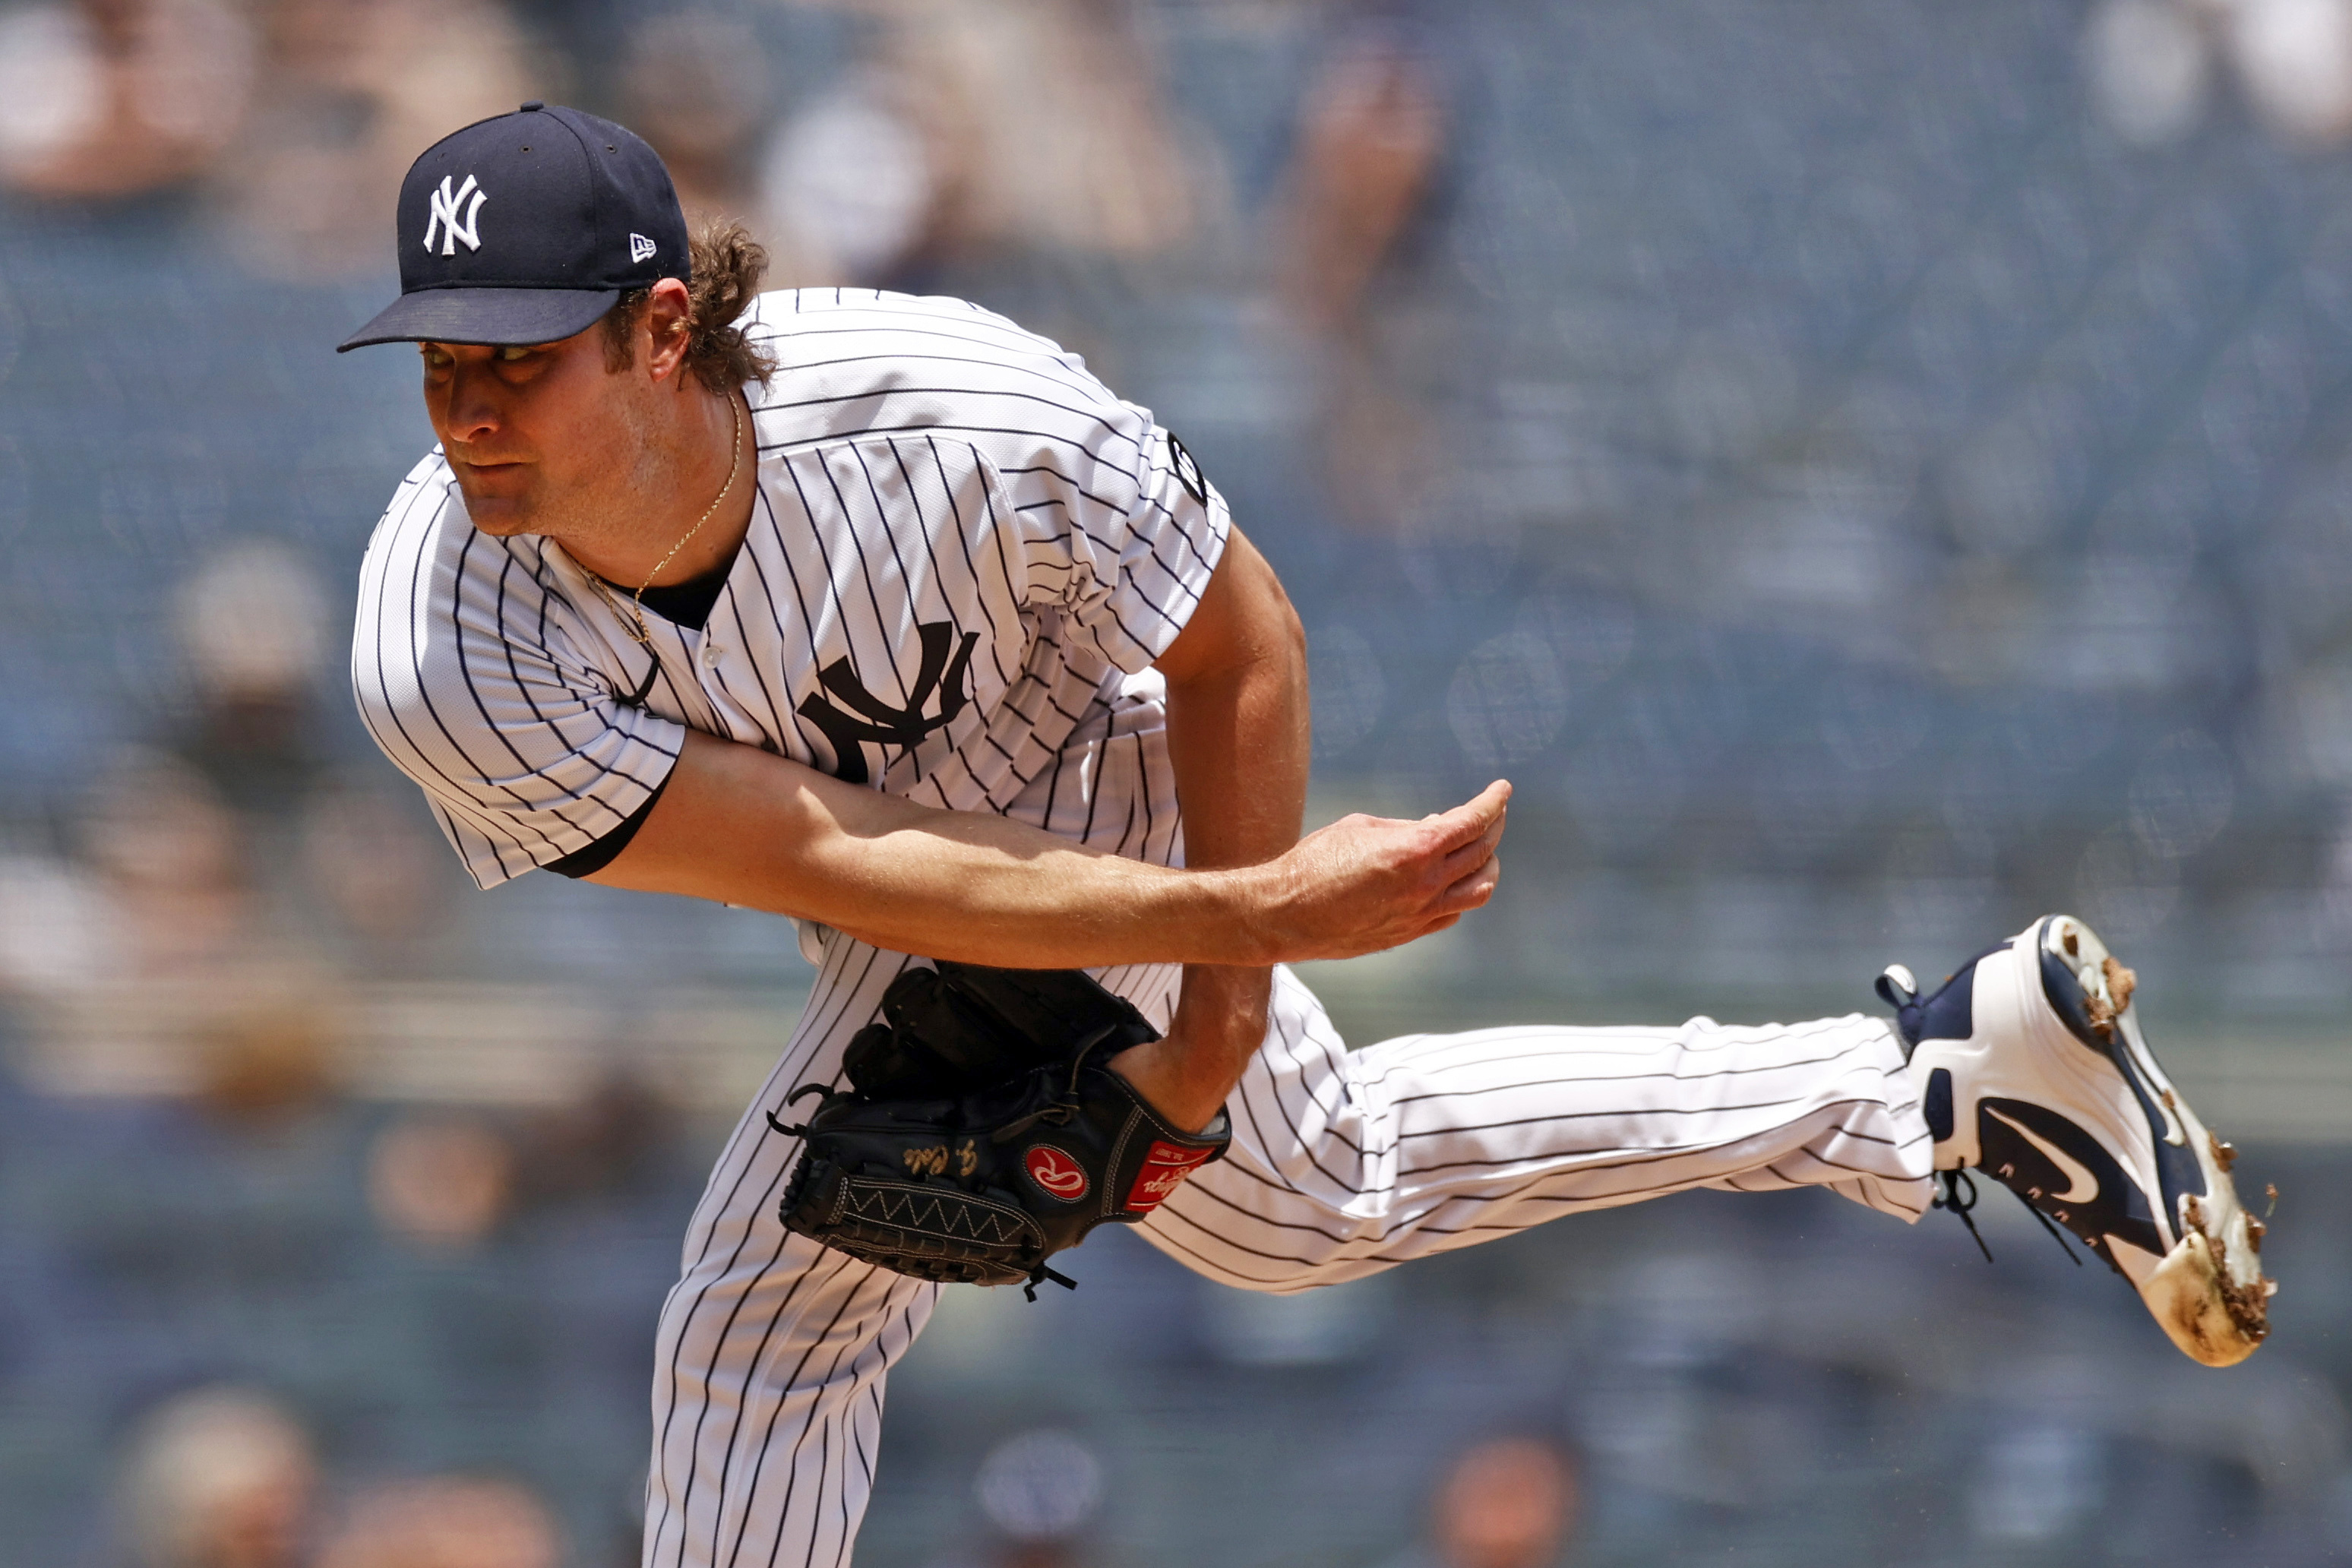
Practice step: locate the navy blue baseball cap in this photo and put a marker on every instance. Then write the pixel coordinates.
(524, 228)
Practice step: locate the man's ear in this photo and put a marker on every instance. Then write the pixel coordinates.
(668, 318)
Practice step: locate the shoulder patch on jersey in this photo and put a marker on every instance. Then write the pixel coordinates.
(1188, 472)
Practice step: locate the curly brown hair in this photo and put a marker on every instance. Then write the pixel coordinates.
(727, 265)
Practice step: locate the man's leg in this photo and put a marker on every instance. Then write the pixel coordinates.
(1344, 1164)
(770, 1360)
(771, 1352)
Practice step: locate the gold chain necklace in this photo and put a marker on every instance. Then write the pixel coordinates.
(639, 633)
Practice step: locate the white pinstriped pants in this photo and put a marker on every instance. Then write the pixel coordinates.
(772, 1350)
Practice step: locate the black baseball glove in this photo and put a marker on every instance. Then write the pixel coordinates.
(983, 1131)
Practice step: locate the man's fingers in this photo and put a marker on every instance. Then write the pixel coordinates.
(1478, 852)
(1476, 816)
(1473, 890)
(1420, 881)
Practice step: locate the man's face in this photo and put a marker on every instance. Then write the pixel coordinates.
(542, 439)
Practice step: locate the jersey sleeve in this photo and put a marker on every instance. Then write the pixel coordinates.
(1118, 528)
(464, 675)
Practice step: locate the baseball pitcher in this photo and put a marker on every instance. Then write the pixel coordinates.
(884, 615)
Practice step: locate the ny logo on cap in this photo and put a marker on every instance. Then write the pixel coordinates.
(640, 248)
(444, 217)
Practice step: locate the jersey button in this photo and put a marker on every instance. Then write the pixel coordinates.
(711, 654)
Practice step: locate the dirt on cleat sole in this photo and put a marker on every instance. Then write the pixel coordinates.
(2214, 1322)
(2209, 1293)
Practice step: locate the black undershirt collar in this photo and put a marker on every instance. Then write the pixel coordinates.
(689, 603)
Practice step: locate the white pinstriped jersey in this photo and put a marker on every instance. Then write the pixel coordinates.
(963, 557)
(961, 543)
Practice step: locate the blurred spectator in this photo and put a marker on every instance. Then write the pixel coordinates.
(265, 1060)
(220, 845)
(446, 1521)
(351, 91)
(2152, 63)
(1041, 1489)
(254, 622)
(52, 927)
(607, 1141)
(158, 887)
(1369, 143)
(106, 98)
(696, 84)
(169, 858)
(220, 1477)
(444, 1183)
(1370, 134)
(847, 184)
(364, 854)
(174, 841)
(982, 129)
(1508, 1503)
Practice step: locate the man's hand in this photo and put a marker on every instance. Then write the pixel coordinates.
(1361, 884)
(1365, 883)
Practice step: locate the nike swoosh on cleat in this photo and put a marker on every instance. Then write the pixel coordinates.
(2082, 1186)
(2143, 1061)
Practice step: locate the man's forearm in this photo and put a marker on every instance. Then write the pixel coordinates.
(967, 886)
(740, 825)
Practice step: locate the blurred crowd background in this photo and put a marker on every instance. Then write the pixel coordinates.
(1869, 473)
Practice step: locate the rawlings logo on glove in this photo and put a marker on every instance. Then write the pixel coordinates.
(928, 1163)
(1056, 1172)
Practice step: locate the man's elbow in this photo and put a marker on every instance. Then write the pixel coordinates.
(1293, 650)
(1275, 650)
(1273, 639)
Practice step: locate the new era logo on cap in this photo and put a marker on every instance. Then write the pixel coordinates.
(583, 211)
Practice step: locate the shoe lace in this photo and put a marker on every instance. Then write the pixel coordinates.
(1959, 1195)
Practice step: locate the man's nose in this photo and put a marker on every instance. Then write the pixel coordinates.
(473, 409)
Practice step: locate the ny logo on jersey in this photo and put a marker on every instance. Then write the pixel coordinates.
(444, 217)
(946, 668)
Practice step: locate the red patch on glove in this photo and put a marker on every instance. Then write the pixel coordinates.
(1164, 1166)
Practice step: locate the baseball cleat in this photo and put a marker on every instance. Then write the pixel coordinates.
(2031, 1068)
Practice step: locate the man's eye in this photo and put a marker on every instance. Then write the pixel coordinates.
(512, 352)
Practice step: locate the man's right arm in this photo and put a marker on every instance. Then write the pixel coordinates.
(742, 825)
